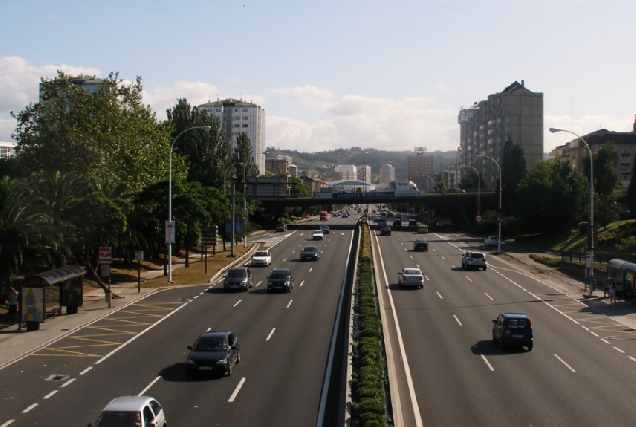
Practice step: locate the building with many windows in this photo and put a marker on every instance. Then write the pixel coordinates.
(7, 149)
(277, 165)
(515, 113)
(346, 172)
(419, 166)
(364, 173)
(236, 117)
(387, 174)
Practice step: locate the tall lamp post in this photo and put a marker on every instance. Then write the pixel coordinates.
(170, 235)
(554, 130)
(499, 220)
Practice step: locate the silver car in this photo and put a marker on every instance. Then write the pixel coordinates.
(238, 278)
(140, 411)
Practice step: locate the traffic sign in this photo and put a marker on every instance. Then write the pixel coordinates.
(139, 255)
(105, 255)
(478, 218)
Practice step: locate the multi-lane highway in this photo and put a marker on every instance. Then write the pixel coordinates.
(284, 340)
(449, 372)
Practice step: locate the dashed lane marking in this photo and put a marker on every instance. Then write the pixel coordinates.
(270, 334)
(237, 303)
(563, 361)
(439, 295)
(489, 296)
(290, 302)
(460, 323)
(487, 362)
(236, 391)
(29, 408)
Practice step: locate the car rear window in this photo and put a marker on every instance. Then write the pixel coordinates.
(412, 272)
(260, 254)
(310, 249)
(237, 273)
(476, 255)
(517, 323)
(119, 418)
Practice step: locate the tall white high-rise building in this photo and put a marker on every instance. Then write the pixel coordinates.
(364, 173)
(238, 116)
(346, 172)
(387, 174)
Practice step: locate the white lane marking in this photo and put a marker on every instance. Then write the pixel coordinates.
(452, 266)
(342, 234)
(256, 286)
(237, 303)
(196, 297)
(605, 341)
(619, 350)
(142, 392)
(405, 249)
(586, 328)
(489, 296)
(401, 243)
(417, 265)
(487, 362)
(236, 391)
(411, 256)
(290, 301)
(322, 252)
(68, 382)
(284, 259)
(270, 334)
(302, 234)
(593, 333)
(29, 408)
(469, 278)
(434, 250)
(460, 323)
(293, 252)
(426, 276)
(50, 394)
(443, 257)
(439, 295)
(202, 293)
(563, 361)
(407, 368)
(7, 423)
(86, 370)
(311, 269)
(301, 283)
(633, 358)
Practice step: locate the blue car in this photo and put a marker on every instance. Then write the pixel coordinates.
(513, 329)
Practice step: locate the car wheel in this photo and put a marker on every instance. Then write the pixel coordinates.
(502, 346)
(238, 358)
(493, 338)
(228, 372)
(463, 266)
(485, 268)
(269, 291)
(421, 286)
(530, 347)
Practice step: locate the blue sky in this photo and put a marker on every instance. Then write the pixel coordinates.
(336, 74)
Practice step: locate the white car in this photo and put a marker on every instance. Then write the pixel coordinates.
(132, 410)
(318, 235)
(411, 276)
(262, 257)
(474, 260)
(492, 241)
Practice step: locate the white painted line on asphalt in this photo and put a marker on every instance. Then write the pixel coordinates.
(301, 283)
(434, 250)
(237, 303)
(469, 278)
(284, 259)
(290, 301)
(311, 269)
(489, 296)
(302, 234)
(7, 423)
(50, 394)
(633, 358)
(322, 252)
(417, 265)
(563, 361)
(586, 328)
(29, 408)
(487, 362)
(256, 285)
(193, 298)
(68, 382)
(460, 323)
(425, 276)
(594, 333)
(236, 391)
(202, 293)
(452, 266)
(401, 243)
(439, 295)
(405, 249)
(602, 339)
(293, 252)
(142, 392)
(619, 350)
(342, 234)
(270, 334)
(86, 370)
(411, 256)
(208, 330)
(443, 257)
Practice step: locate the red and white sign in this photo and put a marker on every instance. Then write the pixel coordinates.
(478, 218)
(105, 255)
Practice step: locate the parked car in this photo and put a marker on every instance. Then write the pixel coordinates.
(385, 231)
(281, 227)
(324, 229)
(262, 257)
(492, 241)
(397, 223)
(513, 329)
(412, 223)
(310, 252)
(420, 245)
(214, 352)
(318, 235)
(238, 278)
(410, 276)
(280, 279)
(475, 260)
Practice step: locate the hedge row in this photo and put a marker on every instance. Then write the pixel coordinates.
(368, 362)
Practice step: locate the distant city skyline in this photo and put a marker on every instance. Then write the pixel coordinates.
(336, 75)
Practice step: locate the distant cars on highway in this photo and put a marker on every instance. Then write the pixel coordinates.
(281, 227)
(140, 411)
(310, 252)
(385, 231)
(324, 229)
(474, 260)
(262, 258)
(318, 235)
(280, 279)
(513, 329)
(238, 278)
(214, 352)
(492, 241)
(397, 223)
(410, 276)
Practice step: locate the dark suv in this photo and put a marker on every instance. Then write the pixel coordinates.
(420, 245)
(213, 352)
(397, 223)
(412, 223)
(280, 280)
(310, 252)
(513, 329)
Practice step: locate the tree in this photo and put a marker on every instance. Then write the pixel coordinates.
(513, 170)
(605, 211)
(106, 136)
(244, 158)
(605, 163)
(471, 181)
(631, 193)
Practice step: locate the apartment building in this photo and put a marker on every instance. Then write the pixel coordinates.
(7, 149)
(277, 165)
(516, 112)
(364, 173)
(387, 174)
(419, 167)
(238, 116)
(346, 172)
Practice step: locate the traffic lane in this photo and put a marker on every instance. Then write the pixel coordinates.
(471, 322)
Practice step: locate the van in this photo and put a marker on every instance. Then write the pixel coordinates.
(324, 216)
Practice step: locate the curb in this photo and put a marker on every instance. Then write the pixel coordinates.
(239, 260)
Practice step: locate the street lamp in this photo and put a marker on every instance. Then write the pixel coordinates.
(478, 187)
(432, 180)
(499, 220)
(554, 130)
(170, 237)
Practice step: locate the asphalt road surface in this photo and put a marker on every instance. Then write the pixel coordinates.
(284, 341)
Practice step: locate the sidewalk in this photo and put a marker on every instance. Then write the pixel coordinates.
(18, 343)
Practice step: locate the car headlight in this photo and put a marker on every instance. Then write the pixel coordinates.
(286, 283)
(221, 362)
(191, 361)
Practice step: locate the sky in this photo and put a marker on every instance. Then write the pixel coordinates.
(336, 74)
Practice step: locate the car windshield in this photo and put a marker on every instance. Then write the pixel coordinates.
(237, 273)
(412, 272)
(310, 249)
(210, 344)
(119, 419)
(278, 275)
(260, 254)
